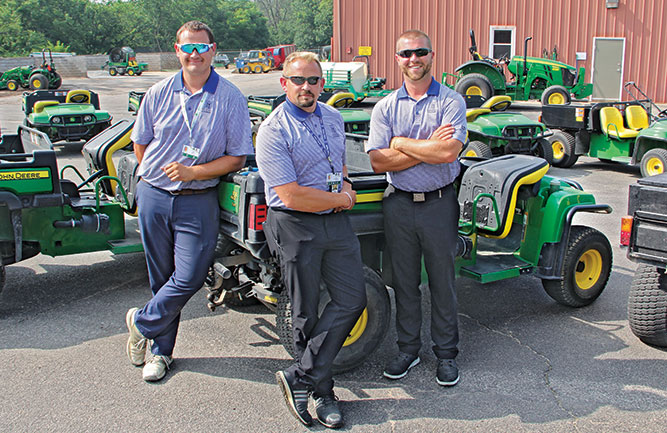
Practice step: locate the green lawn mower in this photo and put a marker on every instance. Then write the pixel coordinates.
(550, 81)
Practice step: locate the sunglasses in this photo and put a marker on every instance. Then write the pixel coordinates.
(189, 48)
(420, 52)
(299, 81)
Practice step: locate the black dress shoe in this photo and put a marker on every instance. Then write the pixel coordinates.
(328, 413)
(296, 397)
(447, 373)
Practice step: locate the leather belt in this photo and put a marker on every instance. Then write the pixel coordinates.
(187, 191)
(418, 197)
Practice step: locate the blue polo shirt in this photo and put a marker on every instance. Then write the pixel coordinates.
(223, 128)
(399, 115)
(288, 151)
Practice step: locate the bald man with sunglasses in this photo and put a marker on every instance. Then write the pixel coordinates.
(191, 129)
(416, 134)
(301, 158)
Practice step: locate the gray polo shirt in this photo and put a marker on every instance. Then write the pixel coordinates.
(399, 115)
(288, 152)
(223, 128)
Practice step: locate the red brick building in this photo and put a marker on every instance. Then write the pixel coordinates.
(623, 40)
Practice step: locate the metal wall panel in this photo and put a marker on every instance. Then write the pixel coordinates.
(571, 25)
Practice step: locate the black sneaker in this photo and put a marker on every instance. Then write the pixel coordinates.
(448, 372)
(400, 365)
(328, 413)
(296, 398)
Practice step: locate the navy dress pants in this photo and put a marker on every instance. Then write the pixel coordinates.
(179, 233)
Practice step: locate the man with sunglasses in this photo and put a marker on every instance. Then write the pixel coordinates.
(301, 158)
(191, 128)
(416, 134)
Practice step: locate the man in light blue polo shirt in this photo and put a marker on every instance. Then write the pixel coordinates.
(416, 134)
(191, 129)
(301, 158)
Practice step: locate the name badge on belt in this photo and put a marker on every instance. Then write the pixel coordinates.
(190, 152)
(334, 181)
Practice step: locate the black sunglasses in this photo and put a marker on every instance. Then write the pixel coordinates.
(298, 80)
(420, 52)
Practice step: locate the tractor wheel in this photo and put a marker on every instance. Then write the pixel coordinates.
(257, 69)
(544, 150)
(556, 95)
(140, 72)
(647, 305)
(245, 69)
(562, 146)
(113, 72)
(130, 72)
(58, 82)
(341, 100)
(477, 149)
(12, 85)
(38, 82)
(475, 84)
(585, 271)
(653, 162)
(365, 337)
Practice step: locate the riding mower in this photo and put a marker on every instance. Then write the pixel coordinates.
(493, 131)
(124, 61)
(42, 77)
(550, 81)
(72, 115)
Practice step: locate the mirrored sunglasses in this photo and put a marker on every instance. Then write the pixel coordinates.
(189, 48)
(420, 52)
(300, 80)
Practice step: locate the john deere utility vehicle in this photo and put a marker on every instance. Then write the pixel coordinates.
(124, 61)
(550, 81)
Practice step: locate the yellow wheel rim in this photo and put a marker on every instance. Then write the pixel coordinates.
(654, 166)
(474, 90)
(556, 99)
(37, 84)
(471, 153)
(358, 329)
(589, 269)
(11, 86)
(559, 150)
(130, 72)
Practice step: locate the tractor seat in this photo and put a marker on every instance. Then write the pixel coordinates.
(637, 117)
(500, 178)
(611, 123)
(41, 105)
(473, 113)
(78, 96)
(497, 103)
(98, 151)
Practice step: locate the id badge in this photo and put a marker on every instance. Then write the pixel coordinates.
(190, 152)
(334, 181)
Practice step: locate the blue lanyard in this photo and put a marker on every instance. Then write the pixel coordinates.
(323, 145)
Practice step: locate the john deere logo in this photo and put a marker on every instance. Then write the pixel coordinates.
(24, 175)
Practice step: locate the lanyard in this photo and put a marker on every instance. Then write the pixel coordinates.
(198, 111)
(323, 145)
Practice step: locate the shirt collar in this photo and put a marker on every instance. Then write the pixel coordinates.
(433, 90)
(210, 85)
(299, 113)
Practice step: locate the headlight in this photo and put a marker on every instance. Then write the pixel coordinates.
(87, 118)
(56, 120)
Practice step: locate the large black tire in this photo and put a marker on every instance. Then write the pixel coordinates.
(653, 162)
(58, 82)
(647, 305)
(477, 149)
(364, 338)
(12, 85)
(130, 72)
(562, 146)
(113, 72)
(556, 95)
(585, 271)
(38, 82)
(475, 84)
(544, 150)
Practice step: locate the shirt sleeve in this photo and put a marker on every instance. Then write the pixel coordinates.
(455, 114)
(273, 157)
(381, 131)
(142, 132)
(239, 135)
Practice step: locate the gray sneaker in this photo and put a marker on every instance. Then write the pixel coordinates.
(136, 343)
(400, 365)
(157, 367)
(447, 373)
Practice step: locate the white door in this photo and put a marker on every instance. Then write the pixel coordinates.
(608, 59)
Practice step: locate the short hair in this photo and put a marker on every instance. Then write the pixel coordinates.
(306, 56)
(414, 34)
(195, 26)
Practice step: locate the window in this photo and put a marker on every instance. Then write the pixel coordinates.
(501, 41)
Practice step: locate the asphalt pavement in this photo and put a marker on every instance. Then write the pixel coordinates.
(527, 363)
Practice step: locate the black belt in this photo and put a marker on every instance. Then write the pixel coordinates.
(424, 196)
(184, 191)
